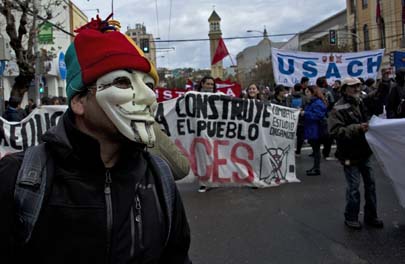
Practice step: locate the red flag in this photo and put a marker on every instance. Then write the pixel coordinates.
(220, 53)
(378, 13)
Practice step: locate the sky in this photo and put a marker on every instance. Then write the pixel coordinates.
(188, 19)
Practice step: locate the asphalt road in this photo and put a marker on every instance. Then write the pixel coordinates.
(293, 223)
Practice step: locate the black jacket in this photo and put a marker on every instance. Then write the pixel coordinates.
(397, 93)
(344, 125)
(13, 114)
(72, 227)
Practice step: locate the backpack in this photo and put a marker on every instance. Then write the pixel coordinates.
(36, 173)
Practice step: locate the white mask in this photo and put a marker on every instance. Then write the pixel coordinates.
(126, 99)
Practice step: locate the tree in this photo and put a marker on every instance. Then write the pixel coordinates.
(262, 74)
(23, 37)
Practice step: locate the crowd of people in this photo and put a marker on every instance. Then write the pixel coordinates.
(15, 113)
(339, 113)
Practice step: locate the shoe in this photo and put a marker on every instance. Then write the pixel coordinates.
(330, 158)
(202, 189)
(297, 154)
(353, 224)
(376, 223)
(311, 155)
(313, 172)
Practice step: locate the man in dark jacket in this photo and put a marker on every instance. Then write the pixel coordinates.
(348, 124)
(105, 203)
(14, 113)
(396, 99)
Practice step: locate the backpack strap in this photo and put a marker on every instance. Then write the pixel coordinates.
(30, 190)
(166, 180)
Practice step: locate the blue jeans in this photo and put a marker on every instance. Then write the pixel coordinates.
(352, 173)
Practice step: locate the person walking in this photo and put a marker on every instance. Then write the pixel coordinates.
(348, 123)
(314, 113)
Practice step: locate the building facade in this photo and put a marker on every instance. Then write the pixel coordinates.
(371, 31)
(249, 59)
(51, 70)
(139, 35)
(316, 37)
(215, 33)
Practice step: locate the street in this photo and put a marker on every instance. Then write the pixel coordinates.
(293, 223)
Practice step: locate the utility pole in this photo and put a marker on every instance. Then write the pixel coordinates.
(36, 51)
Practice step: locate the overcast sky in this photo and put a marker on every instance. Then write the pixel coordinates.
(189, 20)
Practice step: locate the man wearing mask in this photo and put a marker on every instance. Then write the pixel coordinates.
(106, 200)
(348, 123)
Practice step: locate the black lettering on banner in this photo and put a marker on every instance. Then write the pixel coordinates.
(24, 135)
(3, 135)
(253, 132)
(281, 133)
(190, 104)
(180, 127)
(201, 126)
(240, 132)
(236, 109)
(178, 109)
(231, 130)
(259, 109)
(201, 106)
(161, 119)
(220, 129)
(14, 137)
(38, 122)
(47, 121)
(211, 129)
(55, 116)
(266, 114)
(191, 129)
(248, 107)
(211, 100)
(225, 106)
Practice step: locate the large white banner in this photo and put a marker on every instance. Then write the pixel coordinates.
(231, 141)
(18, 136)
(290, 66)
(387, 140)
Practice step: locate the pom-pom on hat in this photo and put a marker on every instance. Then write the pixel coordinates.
(99, 48)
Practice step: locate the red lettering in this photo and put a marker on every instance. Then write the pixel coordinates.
(236, 160)
(217, 162)
(193, 151)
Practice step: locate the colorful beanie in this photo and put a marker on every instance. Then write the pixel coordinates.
(99, 49)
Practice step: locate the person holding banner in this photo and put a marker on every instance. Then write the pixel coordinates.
(207, 85)
(348, 123)
(280, 95)
(313, 114)
(253, 92)
(95, 195)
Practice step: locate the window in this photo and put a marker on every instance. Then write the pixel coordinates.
(366, 38)
(382, 33)
(364, 3)
(352, 6)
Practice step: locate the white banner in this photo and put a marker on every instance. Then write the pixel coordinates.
(231, 141)
(290, 66)
(386, 139)
(18, 136)
(228, 141)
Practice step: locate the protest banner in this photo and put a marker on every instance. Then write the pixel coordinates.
(18, 136)
(385, 137)
(231, 141)
(290, 66)
(226, 87)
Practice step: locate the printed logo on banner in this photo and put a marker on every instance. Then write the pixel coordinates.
(278, 159)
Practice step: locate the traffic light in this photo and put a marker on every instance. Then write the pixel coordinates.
(332, 37)
(41, 89)
(145, 45)
(392, 58)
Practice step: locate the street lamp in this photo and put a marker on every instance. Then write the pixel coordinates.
(264, 32)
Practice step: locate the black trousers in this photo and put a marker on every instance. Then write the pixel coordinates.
(316, 149)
